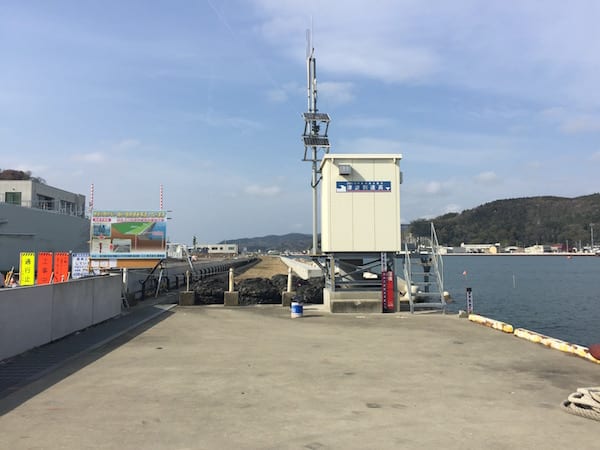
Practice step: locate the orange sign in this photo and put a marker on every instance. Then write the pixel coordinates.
(61, 267)
(44, 267)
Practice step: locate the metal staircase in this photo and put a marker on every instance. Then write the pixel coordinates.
(424, 274)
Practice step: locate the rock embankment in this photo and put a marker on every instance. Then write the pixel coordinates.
(260, 284)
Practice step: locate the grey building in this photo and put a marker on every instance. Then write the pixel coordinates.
(33, 194)
(35, 217)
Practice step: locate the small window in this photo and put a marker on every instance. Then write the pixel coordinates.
(14, 198)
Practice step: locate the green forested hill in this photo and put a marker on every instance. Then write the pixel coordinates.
(291, 242)
(519, 221)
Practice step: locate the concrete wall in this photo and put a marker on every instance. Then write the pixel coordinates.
(35, 315)
(305, 269)
(347, 301)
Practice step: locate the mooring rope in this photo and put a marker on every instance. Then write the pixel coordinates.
(585, 403)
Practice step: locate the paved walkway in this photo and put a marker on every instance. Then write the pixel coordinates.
(252, 377)
(21, 370)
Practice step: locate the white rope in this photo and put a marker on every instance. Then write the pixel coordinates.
(585, 403)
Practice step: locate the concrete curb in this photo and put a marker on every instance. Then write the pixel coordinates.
(555, 344)
(495, 324)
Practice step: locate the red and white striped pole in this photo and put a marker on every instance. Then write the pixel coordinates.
(161, 197)
(91, 204)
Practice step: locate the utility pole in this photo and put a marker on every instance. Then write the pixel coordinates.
(314, 137)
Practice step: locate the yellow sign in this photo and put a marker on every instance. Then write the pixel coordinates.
(27, 269)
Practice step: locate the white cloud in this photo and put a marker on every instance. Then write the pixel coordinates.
(336, 92)
(595, 156)
(282, 93)
(452, 208)
(581, 124)
(262, 191)
(487, 177)
(572, 121)
(460, 44)
(366, 122)
(535, 165)
(126, 144)
(433, 187)
(369, 145)
(93, 157)
(217, 120)
(277, 95)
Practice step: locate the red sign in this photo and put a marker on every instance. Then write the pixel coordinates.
(387, 291)
(61, 267)
(44, 267)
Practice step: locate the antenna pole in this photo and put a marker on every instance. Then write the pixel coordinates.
(313, 137)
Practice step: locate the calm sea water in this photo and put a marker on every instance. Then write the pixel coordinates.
(552, 295)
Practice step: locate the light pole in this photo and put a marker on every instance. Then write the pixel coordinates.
(592, 236)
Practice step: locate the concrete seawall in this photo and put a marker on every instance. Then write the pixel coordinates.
(35, 315)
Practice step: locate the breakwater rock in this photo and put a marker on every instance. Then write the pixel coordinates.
(256, 291)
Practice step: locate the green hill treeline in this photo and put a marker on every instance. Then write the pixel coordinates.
(520, 221)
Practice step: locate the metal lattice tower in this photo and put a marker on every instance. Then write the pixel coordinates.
(316, 126)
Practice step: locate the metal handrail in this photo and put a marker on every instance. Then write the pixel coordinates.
(47, 206)
(437, 262)
(407, 276)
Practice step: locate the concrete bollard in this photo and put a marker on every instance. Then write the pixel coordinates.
(186, 298)
(289, 280)
(231, 298)
(286, 298)
(230, 280)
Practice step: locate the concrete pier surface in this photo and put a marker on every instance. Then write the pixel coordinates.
(254, 378)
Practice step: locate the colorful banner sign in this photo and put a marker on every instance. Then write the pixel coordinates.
(128, 235)
(27, 269)
(44, 268)
(61, 267)
(80, 265)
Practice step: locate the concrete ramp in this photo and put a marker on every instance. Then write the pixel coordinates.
(303, 267)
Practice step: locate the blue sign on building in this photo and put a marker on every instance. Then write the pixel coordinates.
(363, 186)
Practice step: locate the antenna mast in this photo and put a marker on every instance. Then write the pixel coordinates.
(314, 136)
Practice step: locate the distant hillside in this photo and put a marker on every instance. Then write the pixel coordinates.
(294, 242)
(519, 221)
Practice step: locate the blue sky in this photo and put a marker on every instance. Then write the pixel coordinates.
(485, 100)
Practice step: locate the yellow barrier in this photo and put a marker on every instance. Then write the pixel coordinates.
(556, 344)
(495, 324)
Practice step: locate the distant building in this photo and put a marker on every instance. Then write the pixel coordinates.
(538, 249)
(176, 251)
(33, 194)
(216, 249)
(451, 250)
(480, 248)
(513, 249)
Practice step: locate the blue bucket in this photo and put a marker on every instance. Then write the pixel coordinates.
(297, 310)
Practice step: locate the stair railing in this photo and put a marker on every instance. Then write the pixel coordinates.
(437, 263)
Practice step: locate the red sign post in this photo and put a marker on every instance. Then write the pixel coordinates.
(61, 267)
(44, 267)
